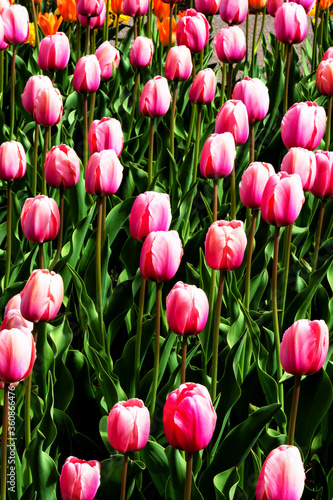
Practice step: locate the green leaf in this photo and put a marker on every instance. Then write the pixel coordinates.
(226, 483)
(153, 454)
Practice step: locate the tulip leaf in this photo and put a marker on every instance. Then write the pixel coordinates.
(111, 470)
(226, 482)
(153, 454)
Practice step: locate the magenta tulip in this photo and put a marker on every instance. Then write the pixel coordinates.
(193, 30)
(233, 118)
(128, 426)
(105, 134)
(230, 44)
(207, 7)
(189, 418)
(225, 245)
(3, 44)
(253, 183)
(87, 74)
(16, 24)
(141, 52)
(17, 354)
(104, 173)
(254, 94)
(186, 309)
(79, 480)
(302, 162)
(323, 183)
(218, 156)
(273, 5)
(62, 167)
(234, 11)
(178, 64)
(30, 91)
(95, 21)
(48, 107)
(135, 7)
(161, 254)
(203, 88)
(54, 52)
(40, 219)
(109, 58)
(306, 4)
(91, 8)
(303, 125)
(13, 161)
(155, 97)
(151, 211)
(324, 77)
(290, 23)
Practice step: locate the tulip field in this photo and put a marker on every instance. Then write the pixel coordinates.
(166, 261)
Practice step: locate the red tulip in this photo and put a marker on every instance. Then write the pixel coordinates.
(16, 24)
(95, 21)
(207, 7)
(48, 107)
(230, 44)
(155, 97)
(104, 173)
(151, 211)
(302, 162)
(306, 4)
(186, 309)
(40, 219)
(105, 134)
(203, 88)
(323, 183)
(79, 480)
(254, 94)
(273, 5)
(31, 89)
(62, 167)
(253, 183)
(218, 156)
(17, 354)
(135, 7)
(108, 57)
(234, 11)
(13, 161)
(178, 64)
(225, 245)
(303, 125)
(290, 23)
(161, 254)
(193, 30)
(89, 7)
(87, 74)
(233, 118)
(54, 52)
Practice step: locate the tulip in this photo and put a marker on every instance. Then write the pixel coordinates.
(104, 173)
(151, 211)
(163, 30)
(155, 97)
(128, 426)
(17, 354)
(234, 11)
(218, 156)
(79, 480)
(207, 7)
(13, 161)
(282, 475)
(16, 24)
(303, 125)
(306, 4)
(135, 7)
(230, 44)
(186, 309)
(49, 23)
(324, 77)
(105, 134)
(290, 23)
(54, 52)
(30, 91)
(273, 5)
(203, 88)
(178, 64)
(233, 118)
(161, 9)
(323, 184)
(14, 319)
(254, 94)
(67, 9)
(87, 74)
(189, 418)
(89, 8)
(258, 4)
(282, 199)
(225, 245)
(3, 5)
(62, 167)
(117, 6)
(3, 44)
(160, 255)
(328, 54)
(95, 22)
(40, 219)
(48, 106)
(13, 303)
(141, 52)
(193, 31)
(108, 58)
(253, 183)
(302, 162)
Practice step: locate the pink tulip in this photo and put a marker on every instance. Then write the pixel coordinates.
(135, 7)
(48, 107)
(178, 64)
(40, 219)
(253, 183)
(17, 354)
(304, 347)
(95, 22)
(141, 52)
(203, 88)
(218, 156)
(230, 44)
(105, 134)
(87, 74)
(193, 31)
(225, 245)
(207, 7)
(189, 418)
(14, 319)
(282, 475)
(323, 184)
(54, 52)
(302, 162)
(186, 309)
(104, 173)
(155, 97)
(273, 5)
(254, 94)
(31, 89)
(233, 118)
(303, 125)
(328, 54)
(91, 8)
(290, 23)
(151, 211)
(13, 161)
(282, 199)
(306, 4)
(109, 58)
(16, 24)
(62, 167)
(324, 77)
(13, 303)
(41, 298)
(128, 426)
(234, 11)
(3, 5)
(161, 254)
(3, 44)
(79, 480)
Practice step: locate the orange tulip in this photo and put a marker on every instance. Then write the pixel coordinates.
(49, 23)
(116, 6)
(257, 4)
(67, 9)
(162, 9)
(324, 4)
(163, 29)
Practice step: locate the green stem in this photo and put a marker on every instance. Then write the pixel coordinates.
(247, 37)
(99, 270)
(216, 335)
(157, 348)
(191, 126)
(286, 261)
(35, 160)
(293, 413)
(183, 364)
(106, 22)
(197, 144)
(254, 42)
(85, 131)
(117, 30)
(289, 49)
(328, 123)
(201, 58)
(229, 84)
(138, 338)
(172, 119)
(188, 478)
(123, 478)
(34, 17)
(93, 41)
(135, 98)
(151, 151)
(233, 193)
(12, 94)
(86, 47)
(249, 258)
(318, 234)
(322, 19)
(45, 148)
(275, 314)
(170, 26)
(9, 232)
(2, 67)
(314, 45)
(92, 107)
(61, 229)
(149, 16)
(78, 40)
(251, 142)
(104, 220)
(27, 405)
(215, 189)
(4, 443)
(224, 72)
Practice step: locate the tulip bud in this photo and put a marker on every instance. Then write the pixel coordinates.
(108, 57)
(189, 418)
(178, 64)
(135, 7)
(234, 11)
(203, 88)
(105, 134)
(104, 173)
(62, 167)
(324, 77)
(253, 183)
(3, 44)
(290, 23)
(151, 211)
(141, 52)
(91, 8)
(128, 426)
(14, 319)
(48, 107)
(207, 7)
(302, 162)
(230, 44)
(273, 5)
(16, 24)
(54, 52)
(257, 4)
(30, 91)
(323, 183)
(161, 254)
(79, 479)
(13, 161)
(306, 4)
(303, 125)
(225, 245)
(40, 219)
(155, 97)
(87, 74)
(218, 156)
(13, 303)
(193, 31)
(186, 309)
(233, 118)
(17, 354)
(95, 22)
(254, 94)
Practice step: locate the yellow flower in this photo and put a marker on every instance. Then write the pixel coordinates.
(163, 30)
(113, 19)
(32, 35)
(49, 23)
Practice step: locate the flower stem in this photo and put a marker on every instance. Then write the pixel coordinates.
(190, 129)
(215, 188)
(9, 232)
(293, 413)
(34, 168)
(286, 260)
(99, 270)
(216, 334)
(106, 22)
(12, 94)
(45, 148)
(254, 41)
(86, 46)
(135, 98)
(224, 72)
(183, 365)
(286, 82)
(123, 477)
(249, 257)
(4, 443)
(247, 37)
(138, 337)
(92, 107)
(151, 151)
(229, 84)
(328, 127)
(78, 40)
(314, 45)
(61, 229)
(197, 144)
(172, 129)
(117, 30)
(135, 23)
(157, 348)
(85, 131)
(170, 27)
(233, 193)
(251, 142)
(2, 67)
(188, 478)
(40, 256)
(34, 16)
(275, 313)
(318, 234)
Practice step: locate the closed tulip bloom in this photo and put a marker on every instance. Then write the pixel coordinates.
(282, 475)
(254, 94)
(67, 9)
(109, 58)
(218, 156)
(135, 7)
(42, 296)
(116, 6)
(104, 173)
(16, 24)
(95, 22)
(62, 167)
(207, 7)
(253, 183)
(290, 23)
(128, 426)
(155, 97)
(91, 8)
(3, 44)
(49, 23)
(282, 199)
(161, 9)
(193, 31)
(303, 125)
(30, 91)
(178, 64)
(163, 30)
(3, 5)
(306, 4)
(186, 309)
(105, 134)
(79, 480)
(161, 254)
(258, 4)
(40, 219)
(189, 418)
(48, 106)
(233, 118)
(203, 88)
(234, 11)
(141, 52)
(17, 354)
(225, 245)
(273, 5)
(230, 44)
(151, 211)
(328, 54)
(14, 319)
(13, 303)
(302, 162)
(87, 74)
(54, 52)
(13, 161)
(324, 77)
(323, 184)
